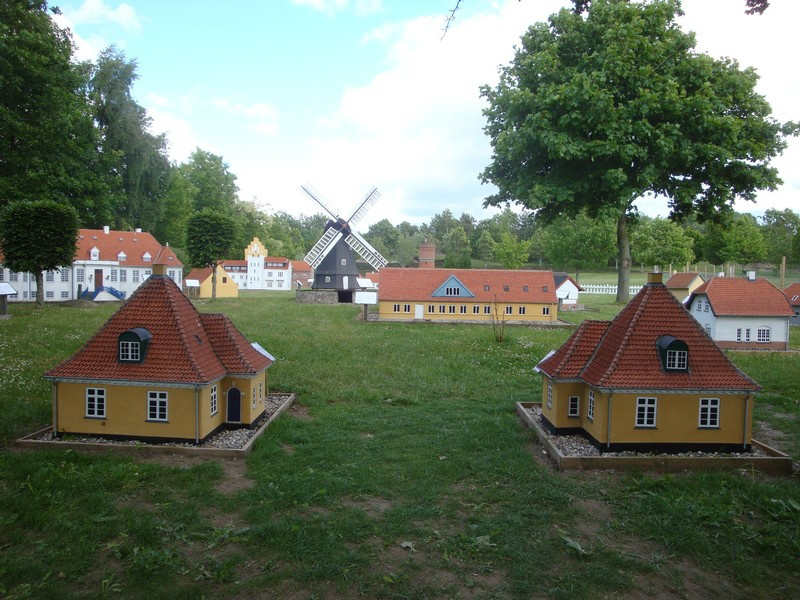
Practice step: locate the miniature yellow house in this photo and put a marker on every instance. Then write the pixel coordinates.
(467, 295)
(199, 284)
(160, 370)
(683, 284)
(651, 379)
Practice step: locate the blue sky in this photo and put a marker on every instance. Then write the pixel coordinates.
(346, 95)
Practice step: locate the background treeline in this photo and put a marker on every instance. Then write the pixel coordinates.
(73, 132)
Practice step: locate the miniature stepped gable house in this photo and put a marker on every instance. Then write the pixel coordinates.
(792, 294)
(477, 295)
(258, 270)
(160, 370)
(743, 313)
(199, 284)
(108, 265)
(683, 284)
(651, 379)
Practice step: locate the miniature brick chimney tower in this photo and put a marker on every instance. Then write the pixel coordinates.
(427, 255)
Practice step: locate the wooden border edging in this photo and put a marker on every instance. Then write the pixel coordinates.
(143, 449)
(777, 463)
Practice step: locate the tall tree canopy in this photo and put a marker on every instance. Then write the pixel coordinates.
(138, 155)
(53, 246)
(48, 142)
(209, 237)
(213, 182)
(661, 242)
(578, 243)
(600, 108)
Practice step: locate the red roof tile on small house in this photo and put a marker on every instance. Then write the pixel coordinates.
(487, 285)
(199, 274)
(624, 355)
(741, 297)
(186, 347)
(681, 280)
(792, 294)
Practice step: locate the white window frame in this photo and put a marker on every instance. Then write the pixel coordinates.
(590, 406)
(130, 351)
(476, 309)
(214, 403)
(677, 360)
(763, 335)
(451, 309)
(646, 412)
(463, 309)
(549, 393)
(64, 275)
(96, 403)
(522, 310)
(708, 417)
(739, 334)
(545, 311)
(509, 310)
(157, 406)
(396, 308)
(255, 398)
(574, 406)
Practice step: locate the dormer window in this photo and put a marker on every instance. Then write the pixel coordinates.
(452, 291)
(94, 253)
(674, 354)
(122, 257)
(146, 257)
(133, 345)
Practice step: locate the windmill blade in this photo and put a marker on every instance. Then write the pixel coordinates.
(371, 199)
(328, 208)
(367, 252)
(323, 247)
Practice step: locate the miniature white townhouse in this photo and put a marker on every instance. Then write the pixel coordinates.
(259, 271)
(742, 313)
(108, 265)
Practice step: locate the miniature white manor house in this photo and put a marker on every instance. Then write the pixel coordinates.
(108, 265)
(259, 271)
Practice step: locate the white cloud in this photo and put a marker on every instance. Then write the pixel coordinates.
(97, 11)
(360, 7)
(265, 117)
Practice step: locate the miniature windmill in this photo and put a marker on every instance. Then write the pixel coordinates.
(332, 257)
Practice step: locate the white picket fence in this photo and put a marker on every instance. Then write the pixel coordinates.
(607, 288)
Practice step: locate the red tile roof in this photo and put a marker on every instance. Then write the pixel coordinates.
(420, 284)
(135, 244)
(622, 354)
(740, 297)
(185, 346)
(300, 265)
(792, 293)
(200, 274)
(682, 280)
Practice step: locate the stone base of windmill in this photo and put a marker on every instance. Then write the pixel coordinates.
(308, 296)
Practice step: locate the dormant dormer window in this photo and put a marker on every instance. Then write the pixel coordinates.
(452, 291)
(122, 257)
(94, 253)
(133, 345)
(146, 257)
(674, 354)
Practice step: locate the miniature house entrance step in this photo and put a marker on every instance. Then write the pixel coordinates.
(234, 406)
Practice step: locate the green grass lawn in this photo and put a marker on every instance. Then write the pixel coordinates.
(403, 473)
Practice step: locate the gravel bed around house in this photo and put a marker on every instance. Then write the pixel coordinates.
(233, 439)
(577, 445)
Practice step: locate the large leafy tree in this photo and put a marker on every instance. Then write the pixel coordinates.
(48, 141)
(600, 108)
(509, 252)
(457, 249)
(209, 238)
(215, 185)
(56, 234)
(661, 242)
(780, 228)
(139, 156)
(578, 243)
(736, 240)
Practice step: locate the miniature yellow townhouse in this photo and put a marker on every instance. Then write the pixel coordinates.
(159, 370)
(467, 295)
(199, 283)
(651, 379)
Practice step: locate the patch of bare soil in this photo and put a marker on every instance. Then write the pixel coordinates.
(300, 411)
(373, 506)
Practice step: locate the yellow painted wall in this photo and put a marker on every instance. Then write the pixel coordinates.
(677, 416)
(126, 411)
(533, 312)
(226, 286)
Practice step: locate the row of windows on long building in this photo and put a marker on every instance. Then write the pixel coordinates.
(463, 309)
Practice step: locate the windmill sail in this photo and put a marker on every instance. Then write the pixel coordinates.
(371, 199)
(366, 251)
(322, 247)
(316, 197)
